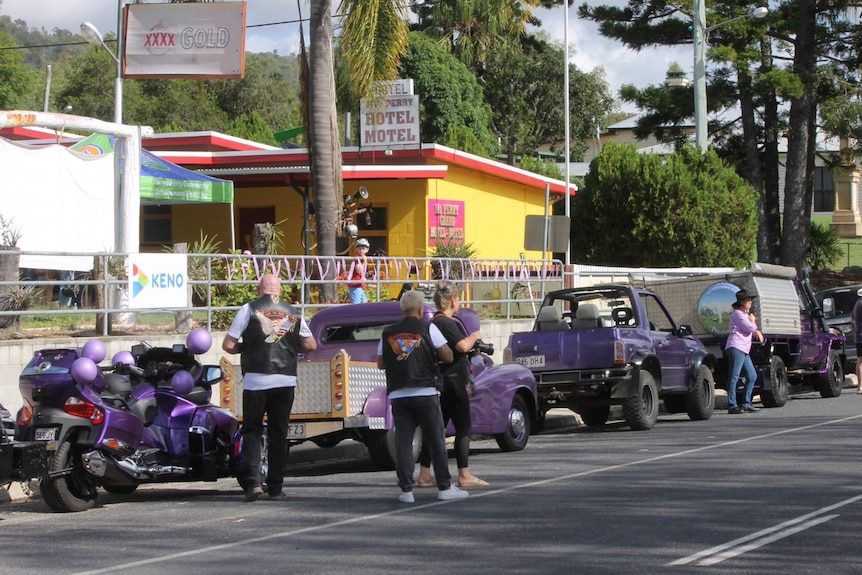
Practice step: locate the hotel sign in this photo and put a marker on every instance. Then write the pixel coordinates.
(393, 120)
(194, 40)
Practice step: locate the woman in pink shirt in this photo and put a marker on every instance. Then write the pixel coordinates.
(741, 328)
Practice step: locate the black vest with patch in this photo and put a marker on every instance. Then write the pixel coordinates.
(270, 340)
(409, 355)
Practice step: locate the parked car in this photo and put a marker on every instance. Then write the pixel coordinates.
(837, 304)
(603, 345)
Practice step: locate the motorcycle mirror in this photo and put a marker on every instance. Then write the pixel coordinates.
(212, 374)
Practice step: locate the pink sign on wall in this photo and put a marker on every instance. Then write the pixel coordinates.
(445, 221)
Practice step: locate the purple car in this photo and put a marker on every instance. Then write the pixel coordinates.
(504, 405)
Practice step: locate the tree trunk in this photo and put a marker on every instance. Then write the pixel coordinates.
(797, 198)
(9, 272)
(323, 138)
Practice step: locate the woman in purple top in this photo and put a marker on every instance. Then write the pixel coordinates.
(742, 326)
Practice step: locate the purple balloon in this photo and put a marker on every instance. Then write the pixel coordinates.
(94, 350)
(182, 382)
(85, 370)
(199, 341)
(124, 357)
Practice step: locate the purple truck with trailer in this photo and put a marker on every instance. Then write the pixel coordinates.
(799, 351)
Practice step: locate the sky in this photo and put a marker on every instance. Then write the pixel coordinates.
(272, 25)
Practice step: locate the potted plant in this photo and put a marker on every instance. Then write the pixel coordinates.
(455, 252)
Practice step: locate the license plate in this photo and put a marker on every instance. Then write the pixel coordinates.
(532, 361)
(46, 434)
(296, 431)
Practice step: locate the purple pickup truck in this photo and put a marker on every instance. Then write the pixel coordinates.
(505, 405)
(594, 347)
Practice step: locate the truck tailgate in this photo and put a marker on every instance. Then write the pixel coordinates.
(561, 350)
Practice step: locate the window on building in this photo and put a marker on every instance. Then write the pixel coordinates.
(374, 227)
(824, 190)
(156, 226)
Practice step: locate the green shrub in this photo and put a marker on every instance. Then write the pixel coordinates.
(824, 247)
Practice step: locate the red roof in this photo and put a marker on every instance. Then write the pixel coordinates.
(242, 160)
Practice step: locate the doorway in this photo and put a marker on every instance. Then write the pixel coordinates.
(248, 217)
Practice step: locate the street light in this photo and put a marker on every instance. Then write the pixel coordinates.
(93, 36)
(701, 32)
(127, 207)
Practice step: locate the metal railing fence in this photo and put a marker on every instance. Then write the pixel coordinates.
(219, 284)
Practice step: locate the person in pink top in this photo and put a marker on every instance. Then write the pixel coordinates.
(741, 328)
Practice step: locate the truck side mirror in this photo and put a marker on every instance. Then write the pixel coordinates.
(685, 330)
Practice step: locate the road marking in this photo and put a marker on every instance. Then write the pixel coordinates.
(766, 540)
(733, 548)
(412, 508)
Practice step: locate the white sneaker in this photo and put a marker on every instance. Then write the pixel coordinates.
(454, 492)
(406, 497)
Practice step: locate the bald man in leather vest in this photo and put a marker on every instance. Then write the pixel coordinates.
(272, 332)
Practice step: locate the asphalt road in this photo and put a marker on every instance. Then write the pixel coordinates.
(776, 492)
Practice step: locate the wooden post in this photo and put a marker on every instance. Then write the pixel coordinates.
(183, 320)
(9, 271)
(99, 271)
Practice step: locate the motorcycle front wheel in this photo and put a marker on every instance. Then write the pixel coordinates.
(75, 489)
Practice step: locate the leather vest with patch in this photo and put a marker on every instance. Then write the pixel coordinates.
(409, 355)
(269, 342)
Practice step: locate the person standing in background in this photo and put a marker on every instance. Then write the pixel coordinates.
(741, 327)
(356, 289)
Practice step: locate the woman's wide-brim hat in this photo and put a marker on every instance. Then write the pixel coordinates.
(743, 296)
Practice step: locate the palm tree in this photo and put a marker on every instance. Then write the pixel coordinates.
(323, 142)
(374, 37)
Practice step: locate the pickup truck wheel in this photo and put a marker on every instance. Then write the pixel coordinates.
(517, 427)
(381, 448)
(700, 401)
(596, 416)
(830, 383)
(641, 411)
(777, 396)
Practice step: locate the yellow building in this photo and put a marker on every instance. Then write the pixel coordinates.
(416, 197)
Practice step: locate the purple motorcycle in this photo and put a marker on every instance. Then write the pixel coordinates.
(145, 419)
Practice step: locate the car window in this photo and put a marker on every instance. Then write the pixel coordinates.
(659, 320)
(353, 332)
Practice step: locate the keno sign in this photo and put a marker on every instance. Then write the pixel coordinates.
(189, 40)
(158, 281)
(394, 121)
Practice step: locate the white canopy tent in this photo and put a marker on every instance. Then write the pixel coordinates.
(62, 201)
